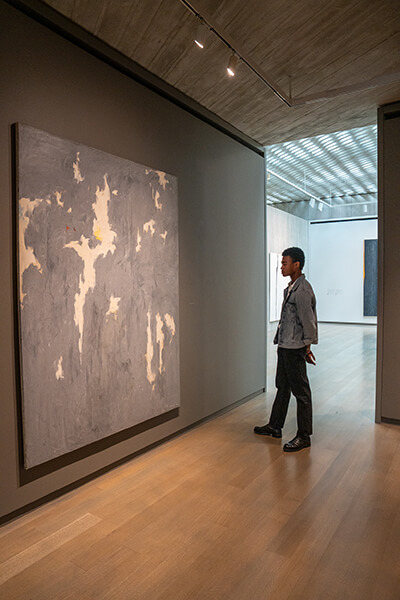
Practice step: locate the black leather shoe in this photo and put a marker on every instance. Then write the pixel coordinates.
(297, 444)
(268, 430)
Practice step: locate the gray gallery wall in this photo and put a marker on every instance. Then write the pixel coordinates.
(50, 84)
(388, 373)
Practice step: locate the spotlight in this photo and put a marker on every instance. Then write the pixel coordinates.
(312, 202)
(320, 206)
(365, 208)
(199, 40)
(231, 68)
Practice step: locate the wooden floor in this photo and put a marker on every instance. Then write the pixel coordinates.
(219, 513)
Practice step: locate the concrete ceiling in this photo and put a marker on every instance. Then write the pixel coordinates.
(306, 48)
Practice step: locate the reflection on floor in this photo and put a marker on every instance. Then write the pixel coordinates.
(345, 371)
(220, 513)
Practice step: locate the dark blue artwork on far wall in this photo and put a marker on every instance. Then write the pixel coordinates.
(370, 278)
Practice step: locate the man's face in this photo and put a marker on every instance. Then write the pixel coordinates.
(288, 267)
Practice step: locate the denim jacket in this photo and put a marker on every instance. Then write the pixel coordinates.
(298, 325)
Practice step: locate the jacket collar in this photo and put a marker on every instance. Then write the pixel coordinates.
(297, 282)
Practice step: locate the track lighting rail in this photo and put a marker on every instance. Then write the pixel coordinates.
(287, 99)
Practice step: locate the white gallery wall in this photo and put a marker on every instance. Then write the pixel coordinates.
(283, 230)
(337, 268)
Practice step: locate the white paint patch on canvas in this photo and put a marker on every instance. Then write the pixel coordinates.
(58, 199)
(160, 337)
(151, 376)
(114, 306)
(162, 178)
(26, 254)
(103, 232)
(169, 321)
(156, 198)
(77, 173)
(139, 241)
(149, 227)
(59, 371)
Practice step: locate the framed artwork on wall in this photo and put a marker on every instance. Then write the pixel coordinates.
(97, 293)
(277, 285)
(370, 278)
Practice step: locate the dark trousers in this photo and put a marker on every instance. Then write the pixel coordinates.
(291, 376)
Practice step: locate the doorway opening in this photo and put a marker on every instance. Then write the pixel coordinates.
(321, 195)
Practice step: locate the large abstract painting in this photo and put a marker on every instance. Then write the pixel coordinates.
(370, 278)
(98, 293)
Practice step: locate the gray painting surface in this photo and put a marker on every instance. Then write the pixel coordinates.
(370, 278)
(98, 294)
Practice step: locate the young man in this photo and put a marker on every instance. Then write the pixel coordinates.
(297, 330)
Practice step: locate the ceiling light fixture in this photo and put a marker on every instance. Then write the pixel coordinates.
(297, 187)
(232, 64)
(320, 206)
(312, 202)
(199, 40)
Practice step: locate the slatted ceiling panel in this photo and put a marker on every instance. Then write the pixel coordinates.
(341, 163)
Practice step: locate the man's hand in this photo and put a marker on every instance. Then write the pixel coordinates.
(310, 358)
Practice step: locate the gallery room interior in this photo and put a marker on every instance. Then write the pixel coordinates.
(147, 196)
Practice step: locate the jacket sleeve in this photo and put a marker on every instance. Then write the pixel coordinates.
(305, 304)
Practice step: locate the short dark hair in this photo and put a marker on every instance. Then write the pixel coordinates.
(296, 254)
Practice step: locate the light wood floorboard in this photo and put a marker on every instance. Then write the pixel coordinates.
(219, 513)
